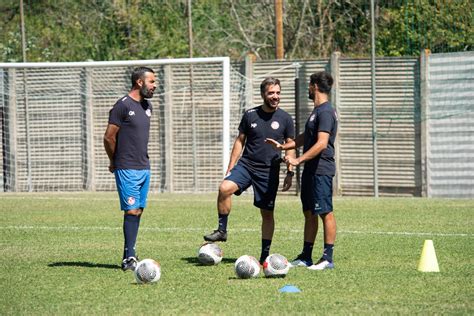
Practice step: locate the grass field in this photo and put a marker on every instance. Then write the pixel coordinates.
(60, 254)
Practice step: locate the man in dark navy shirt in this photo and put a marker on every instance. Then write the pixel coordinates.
(259, 165)
(319, 169)
(126, 144)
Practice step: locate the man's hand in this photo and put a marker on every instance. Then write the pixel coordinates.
(111, 167)
(292, 160)
(274, 143)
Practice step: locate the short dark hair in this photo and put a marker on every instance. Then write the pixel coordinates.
(323, 80)
(139, 73)
(270, 81)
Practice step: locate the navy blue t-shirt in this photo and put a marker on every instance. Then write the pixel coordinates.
(133, 118)
(322, 119)
(257, 125)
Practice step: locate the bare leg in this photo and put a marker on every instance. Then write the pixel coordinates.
(326, 261)
(224, 199)
(310, 226)
(268, 227)
(268, 224)
(224, 203)
(329, 224)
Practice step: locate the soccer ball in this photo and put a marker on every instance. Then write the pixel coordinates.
(210, 254)
(276, 265)
(147, 271)
(247, 267)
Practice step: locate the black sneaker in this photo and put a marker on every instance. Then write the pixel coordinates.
(217, 235)
(301, 261)
(129, 263)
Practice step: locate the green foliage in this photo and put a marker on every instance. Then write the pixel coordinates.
(98, 30)
(78, 30)
(418, 24)
(60, 254)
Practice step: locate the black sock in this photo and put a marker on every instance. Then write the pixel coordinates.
(130, 232)
(223, 222)
(327, 254)
(266, 243)
(307, 250)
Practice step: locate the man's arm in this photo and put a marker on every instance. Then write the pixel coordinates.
(316, 149)
(110, 141)
(289, 143)
(289, 173)
(239, 144)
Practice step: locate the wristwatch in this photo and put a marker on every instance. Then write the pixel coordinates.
(290, 173)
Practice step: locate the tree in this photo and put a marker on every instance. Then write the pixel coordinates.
(78, 30)
(420, 24)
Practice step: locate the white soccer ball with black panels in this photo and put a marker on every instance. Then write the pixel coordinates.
(210, 254)
(147, 271)
(276, 265)
(247, 267)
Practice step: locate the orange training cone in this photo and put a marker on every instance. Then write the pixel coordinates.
(428, 261)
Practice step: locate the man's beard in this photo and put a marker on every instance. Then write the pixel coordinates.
(272, 106)
(311, 95)
(146, 93)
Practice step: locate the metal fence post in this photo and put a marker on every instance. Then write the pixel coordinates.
(424, 133)
(168, 121)
(335, 59)
(10, 135)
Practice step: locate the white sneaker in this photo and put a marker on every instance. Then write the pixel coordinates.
(300, 263)
(322, 265)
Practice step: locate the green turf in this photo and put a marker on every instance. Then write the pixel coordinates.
(60, 255)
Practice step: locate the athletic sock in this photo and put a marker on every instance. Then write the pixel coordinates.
(266, 243)
(307, 250)
(223, 222)
(130, 232)
(327, 254)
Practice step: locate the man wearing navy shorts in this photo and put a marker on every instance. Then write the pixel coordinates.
(126, 144)
(259, 165)
(319, 169)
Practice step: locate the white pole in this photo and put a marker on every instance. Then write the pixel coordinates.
(25, 98)
(225, 113)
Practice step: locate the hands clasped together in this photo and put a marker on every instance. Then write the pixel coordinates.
(288, 159)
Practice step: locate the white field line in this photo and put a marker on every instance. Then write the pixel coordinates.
(115, 198)
(238, 230)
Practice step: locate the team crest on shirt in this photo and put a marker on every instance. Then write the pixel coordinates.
(275, 125)
(253, 125)
(312, 117)
(131, 113)
(131, 200)
(148, 112)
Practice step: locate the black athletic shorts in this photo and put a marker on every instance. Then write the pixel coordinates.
(264, 182)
